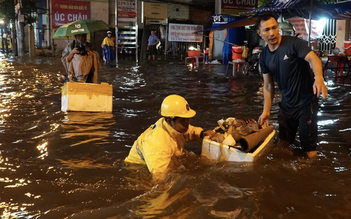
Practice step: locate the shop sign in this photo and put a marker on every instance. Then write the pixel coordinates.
(155, 12)
(239, 4)
(127, 8)
(184, 33)
(217, 19)
(64, 12)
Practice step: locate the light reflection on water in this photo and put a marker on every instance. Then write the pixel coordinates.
(56, 165)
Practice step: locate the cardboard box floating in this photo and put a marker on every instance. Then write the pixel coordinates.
(86, 97)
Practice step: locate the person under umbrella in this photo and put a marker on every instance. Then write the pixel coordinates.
(108, 52)
(81, 62)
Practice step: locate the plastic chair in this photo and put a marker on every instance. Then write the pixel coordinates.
(239, 65)
(338, 64)
(196, 60)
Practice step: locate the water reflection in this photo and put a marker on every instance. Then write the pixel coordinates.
(87, 127)
(181, 196)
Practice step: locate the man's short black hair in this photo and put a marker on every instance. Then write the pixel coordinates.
(264, 17)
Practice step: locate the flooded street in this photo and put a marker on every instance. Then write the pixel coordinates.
(56, 165)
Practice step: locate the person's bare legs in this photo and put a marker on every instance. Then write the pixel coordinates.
(153, 57)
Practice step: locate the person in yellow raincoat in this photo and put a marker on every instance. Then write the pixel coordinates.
(108, 52)
(158, 145)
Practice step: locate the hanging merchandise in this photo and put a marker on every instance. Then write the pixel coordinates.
(162, 32)
(244, 54)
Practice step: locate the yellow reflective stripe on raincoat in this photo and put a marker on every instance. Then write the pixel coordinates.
(157, 145)
(107, 41)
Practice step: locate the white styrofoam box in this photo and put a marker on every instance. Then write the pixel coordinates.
(86, 97)
(221, 152)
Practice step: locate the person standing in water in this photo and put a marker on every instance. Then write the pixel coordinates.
(287, 60)
(151, 46)
(108, 48)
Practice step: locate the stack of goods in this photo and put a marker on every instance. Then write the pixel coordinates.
(244, 135)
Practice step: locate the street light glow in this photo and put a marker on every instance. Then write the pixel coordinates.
(2, 21)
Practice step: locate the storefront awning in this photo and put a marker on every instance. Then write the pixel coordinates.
(292, 8)
(302, 8)
(245, 21)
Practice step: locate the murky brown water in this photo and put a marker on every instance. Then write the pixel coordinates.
(56, 165)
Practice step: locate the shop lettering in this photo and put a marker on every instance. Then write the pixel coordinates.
(246, 2)
(241, 2)
(59, 17)
(75, 7)
(77, 30)
(74, 17)
(70, 17)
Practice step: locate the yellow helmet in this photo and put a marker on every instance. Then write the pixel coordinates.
(176, 106)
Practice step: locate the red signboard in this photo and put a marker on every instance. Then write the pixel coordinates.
(64, 12)
(239, 4)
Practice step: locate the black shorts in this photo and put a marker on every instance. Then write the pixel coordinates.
(304, 118)
(152, 50)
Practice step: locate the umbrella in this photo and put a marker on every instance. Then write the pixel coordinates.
(80, 27)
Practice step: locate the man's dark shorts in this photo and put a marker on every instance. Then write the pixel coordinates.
(152, 50)
(304, 118)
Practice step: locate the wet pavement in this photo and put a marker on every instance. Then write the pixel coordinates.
(55, 164)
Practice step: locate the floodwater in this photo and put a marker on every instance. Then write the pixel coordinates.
(56, 165)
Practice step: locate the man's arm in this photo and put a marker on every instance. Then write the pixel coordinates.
(318, 86)
(268, 94)
(66, 51)
(71, 54)
(197, 133)
(157, 40)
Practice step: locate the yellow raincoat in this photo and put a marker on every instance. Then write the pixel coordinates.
(157, 146)
(108, 42)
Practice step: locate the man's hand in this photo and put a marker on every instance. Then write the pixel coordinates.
(263, 120)
(71, 54)
(74, 51)
(319, 87)
(209, 133)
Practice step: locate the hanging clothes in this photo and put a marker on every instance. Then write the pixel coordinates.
(162, 32)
